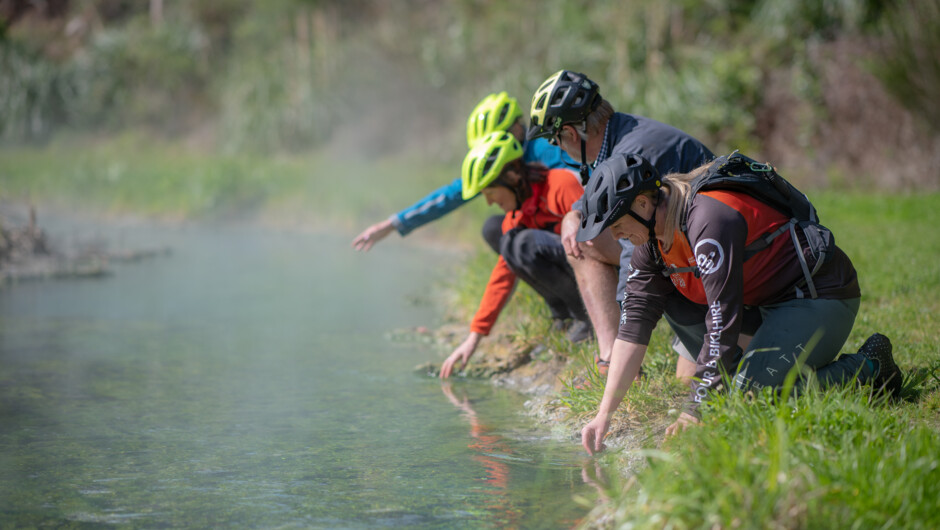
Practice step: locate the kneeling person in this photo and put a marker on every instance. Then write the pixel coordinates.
(535, 200)
(731, 254)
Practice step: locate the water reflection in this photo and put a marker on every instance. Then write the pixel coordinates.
(593, 474)
(487, 446)
(245, 381)
(495, 453)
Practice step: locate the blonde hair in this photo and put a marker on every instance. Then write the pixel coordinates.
(678, 187)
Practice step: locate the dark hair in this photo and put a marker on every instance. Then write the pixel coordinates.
(530, 173)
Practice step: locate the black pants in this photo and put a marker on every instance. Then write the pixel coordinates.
(538, 258)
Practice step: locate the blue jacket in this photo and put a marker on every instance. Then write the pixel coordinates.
(448, 198)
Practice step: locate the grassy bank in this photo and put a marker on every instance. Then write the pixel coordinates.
(136, 174)
(832, 459)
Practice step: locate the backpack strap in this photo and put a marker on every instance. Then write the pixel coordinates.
(764, 242)
(669, 271)
(732, 171)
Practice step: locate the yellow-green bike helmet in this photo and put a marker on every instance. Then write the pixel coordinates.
(486, 160)
(565, 97)
(497, 112)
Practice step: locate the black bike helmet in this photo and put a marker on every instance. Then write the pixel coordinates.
(616, 182)
(565, 97)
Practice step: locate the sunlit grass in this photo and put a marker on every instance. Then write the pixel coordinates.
(825, 460)
(837, 459)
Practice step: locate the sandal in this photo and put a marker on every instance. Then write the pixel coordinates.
(602, 366)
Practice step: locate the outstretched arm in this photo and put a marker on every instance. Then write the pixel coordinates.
(462, 355)
(624, 366)
(372, 235)
(435, 205)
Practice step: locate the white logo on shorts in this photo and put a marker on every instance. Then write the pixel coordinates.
(708, 256)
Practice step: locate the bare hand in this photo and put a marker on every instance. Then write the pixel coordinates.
(593, 434)
(461, 354)
(569, 231)
(684, 421)
(372, 235)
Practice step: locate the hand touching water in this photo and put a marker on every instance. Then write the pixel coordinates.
(592, 435)
(461, 354)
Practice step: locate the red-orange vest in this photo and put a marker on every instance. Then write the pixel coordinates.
(761, 219)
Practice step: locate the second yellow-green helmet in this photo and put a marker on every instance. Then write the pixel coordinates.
(497, 112)
(486, 160)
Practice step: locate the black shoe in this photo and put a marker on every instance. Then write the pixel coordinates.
(888, 375)
(560, 324)
(580, 331)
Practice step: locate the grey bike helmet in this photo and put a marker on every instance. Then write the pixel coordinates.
(565, 97)
(616, 182)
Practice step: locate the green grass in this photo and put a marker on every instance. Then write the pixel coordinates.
(134, 173)
(835, 459)
(825, 460)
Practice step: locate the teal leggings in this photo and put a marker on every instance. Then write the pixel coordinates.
(785, 333)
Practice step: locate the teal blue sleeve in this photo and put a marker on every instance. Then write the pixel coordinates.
(435, 205)
(448, 198)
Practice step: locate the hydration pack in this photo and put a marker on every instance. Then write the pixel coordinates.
(739, 173)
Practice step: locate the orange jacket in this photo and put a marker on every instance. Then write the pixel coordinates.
(551, 200)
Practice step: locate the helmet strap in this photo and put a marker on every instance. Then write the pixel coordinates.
(585, 170)
(650, 223)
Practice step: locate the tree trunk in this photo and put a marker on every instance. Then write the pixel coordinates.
(156, 12)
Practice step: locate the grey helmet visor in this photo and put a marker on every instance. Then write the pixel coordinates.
(594, 223)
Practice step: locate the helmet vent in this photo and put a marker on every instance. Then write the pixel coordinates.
(541, 103)
(489, 163)
(502, 114)
(624, 184)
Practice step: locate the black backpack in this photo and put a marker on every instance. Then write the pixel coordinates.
(737, 172)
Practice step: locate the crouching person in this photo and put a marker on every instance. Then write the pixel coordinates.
(535, 200)
(728, 254)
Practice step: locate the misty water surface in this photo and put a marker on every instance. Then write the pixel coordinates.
(251, 379)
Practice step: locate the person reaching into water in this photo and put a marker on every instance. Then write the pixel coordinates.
(745, 257)
(535, 200)
(495, 112)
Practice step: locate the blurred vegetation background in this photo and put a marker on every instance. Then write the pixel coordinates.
(837, 93)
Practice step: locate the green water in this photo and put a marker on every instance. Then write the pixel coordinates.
(249, 380)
